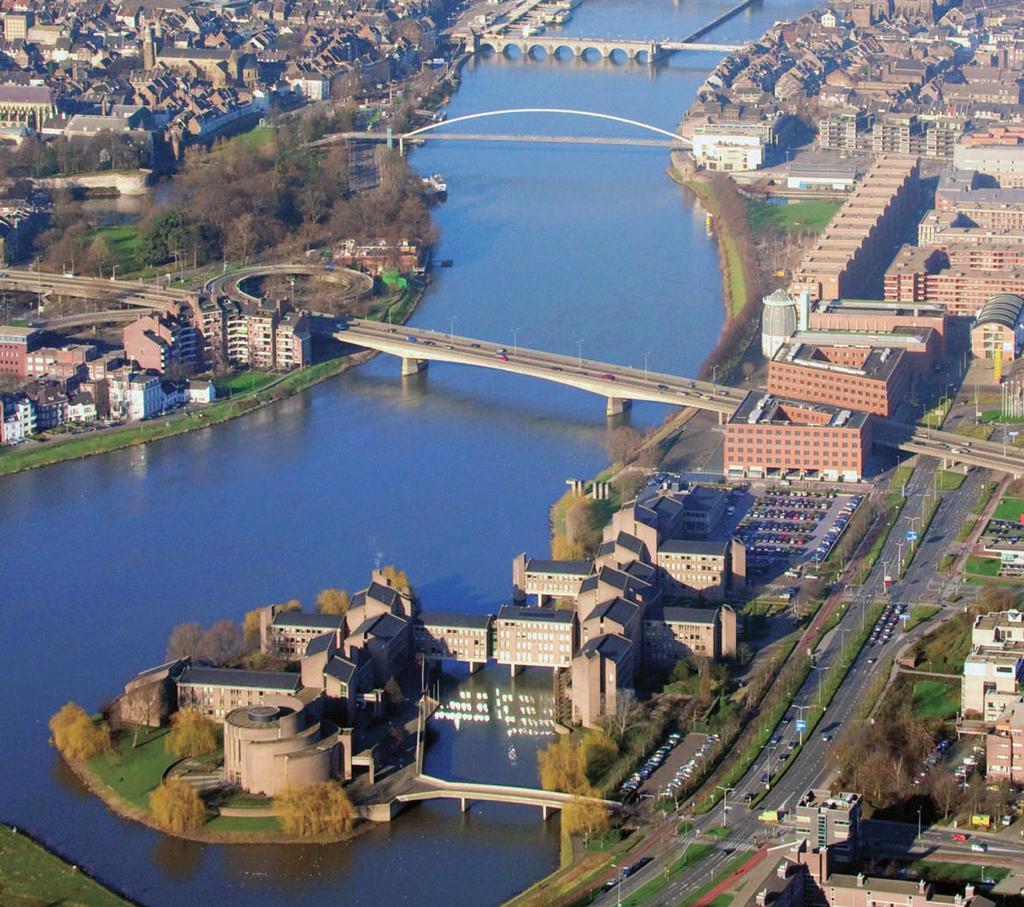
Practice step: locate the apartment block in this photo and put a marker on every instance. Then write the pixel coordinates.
(871, 316)
(217, 691)
(1004, 746)
(535, 637)
(602, 675)
(856, 243)
(830, 820)
(446, 634)
(993, 674)
(15, 345)
(999, 328)
(672, 633)
(548, 578)
(695, 567)
(768, 435)
(162, 340)
(286, 634)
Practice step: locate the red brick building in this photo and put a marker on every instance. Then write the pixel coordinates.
(15, 345)
(850, 370)
(1004, 746)
(767, 435)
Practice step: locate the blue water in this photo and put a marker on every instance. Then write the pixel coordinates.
(449, 475)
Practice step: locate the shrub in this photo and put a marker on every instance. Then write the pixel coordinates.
(76, 735)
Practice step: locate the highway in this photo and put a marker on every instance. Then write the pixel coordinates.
(135, 293)
(615, 382)
(811, 766)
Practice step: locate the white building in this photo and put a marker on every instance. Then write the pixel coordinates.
(136, 397)
(19, 420)
(732, 146)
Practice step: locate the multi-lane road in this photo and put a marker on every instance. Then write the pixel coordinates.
(811, 765)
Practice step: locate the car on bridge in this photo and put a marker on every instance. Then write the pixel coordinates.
(608, 376)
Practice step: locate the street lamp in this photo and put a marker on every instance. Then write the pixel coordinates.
(725, 800)
(451, 327)
(618, 884)
(579, 352)
(515, 341)
(646, 379)
(821, 669)
(919, 823)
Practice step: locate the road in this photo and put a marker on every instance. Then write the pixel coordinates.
(811, 766)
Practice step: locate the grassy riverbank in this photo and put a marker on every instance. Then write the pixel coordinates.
(74, 447)
(249, 391)
(30, 874)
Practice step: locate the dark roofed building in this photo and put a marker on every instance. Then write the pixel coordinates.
(998, 330)
(217, 691)
(601, 673)
(286, 634)
(464, 637)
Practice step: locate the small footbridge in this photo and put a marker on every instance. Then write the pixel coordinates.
(427, 787)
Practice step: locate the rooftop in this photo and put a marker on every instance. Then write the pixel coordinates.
(541, 615)
(456, 619)
(279, 681)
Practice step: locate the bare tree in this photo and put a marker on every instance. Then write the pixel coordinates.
(184, 640)
(222, 643)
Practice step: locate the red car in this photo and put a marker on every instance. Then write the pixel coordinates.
(608, 376)
(959, 837)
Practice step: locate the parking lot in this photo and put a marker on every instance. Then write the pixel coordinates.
(786, 528)
(675, 767)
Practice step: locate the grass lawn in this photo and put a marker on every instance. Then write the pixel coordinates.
(900, 476)
(936, 699)
(812, 215)
(959, 872)
(945, 648)
(693, 854)
(242, 382)
(241, 825)
(606, 839)
(1009, 509)
(919, 614)
(977, 432)
(30, 875)
(718, 879)
(123, 241)
(719, 832)
(723, 900)
(134, 771)
(982, 566)
(947, 480)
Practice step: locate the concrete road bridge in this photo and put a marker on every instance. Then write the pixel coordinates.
(133, 293)
(620, 385)
(427, 787)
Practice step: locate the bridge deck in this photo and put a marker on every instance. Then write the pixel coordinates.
(427, 787)
(602, 378)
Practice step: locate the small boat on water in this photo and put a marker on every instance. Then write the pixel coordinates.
(512, 755)
(436, 184)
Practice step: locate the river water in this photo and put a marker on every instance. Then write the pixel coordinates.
(449, 475)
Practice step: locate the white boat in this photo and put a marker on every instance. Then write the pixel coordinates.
(512, 754)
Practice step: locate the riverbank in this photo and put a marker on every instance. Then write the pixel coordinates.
(742, 279)
(220, 829)
(31, 873)
(76, 447)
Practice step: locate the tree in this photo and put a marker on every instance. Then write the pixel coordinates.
(76, 735)
(398, 579)
(944, 792)
(333, 601)
(582, 524)
(623, 444)
(599, 752)
(222, 643)
(176, 806)
(629, 483)
(682, 671)
(192, 734)
(625, 716)
(251, 628)
(184, 640)
(584, 816)
(316, 809)
(561, 766)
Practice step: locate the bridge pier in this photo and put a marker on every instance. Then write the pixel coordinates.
(413, 366)
(475, 666)
(514, 669)
(545, 814)
(616, 406)
(463, 804)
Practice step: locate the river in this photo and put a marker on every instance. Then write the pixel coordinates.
(449, 475)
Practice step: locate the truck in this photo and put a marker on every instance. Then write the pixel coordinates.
(769, 815)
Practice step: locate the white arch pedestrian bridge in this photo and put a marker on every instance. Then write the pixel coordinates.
(668, 138)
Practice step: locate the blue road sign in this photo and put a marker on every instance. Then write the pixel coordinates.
(911, 535)
(801, 725)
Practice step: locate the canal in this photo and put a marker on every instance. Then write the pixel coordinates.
(586, 249)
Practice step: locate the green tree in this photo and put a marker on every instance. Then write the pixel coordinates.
(176, 806)
(399, 579)
(192, 734)
(315, 809)
(76, 735)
